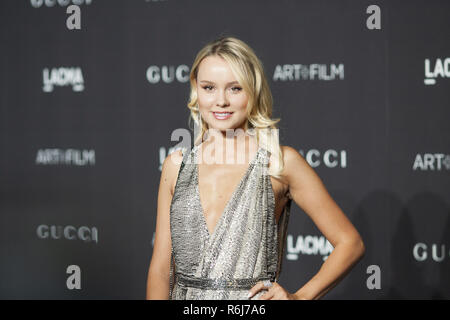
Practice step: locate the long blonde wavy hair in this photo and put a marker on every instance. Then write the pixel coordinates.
(249, 72)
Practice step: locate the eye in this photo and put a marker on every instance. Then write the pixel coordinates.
(207, 87)
(237, 89)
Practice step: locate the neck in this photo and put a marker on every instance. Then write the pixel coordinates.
(225, 145)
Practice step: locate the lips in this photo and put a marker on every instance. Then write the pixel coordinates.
(222, 115)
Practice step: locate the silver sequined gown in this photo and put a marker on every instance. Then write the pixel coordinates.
(246, 246)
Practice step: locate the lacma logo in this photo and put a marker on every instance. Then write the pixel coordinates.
(61, 77)
(436, 69)
(308, 245)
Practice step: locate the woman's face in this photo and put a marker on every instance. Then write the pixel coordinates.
(218, 91)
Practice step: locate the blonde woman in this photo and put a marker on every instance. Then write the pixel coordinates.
(222, 220)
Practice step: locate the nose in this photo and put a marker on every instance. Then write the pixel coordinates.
(222, 99)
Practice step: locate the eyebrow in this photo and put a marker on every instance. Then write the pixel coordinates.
(233, 82)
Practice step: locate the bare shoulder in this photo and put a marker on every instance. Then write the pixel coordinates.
(291, 159)
(289, 153)
(299, 175)
(290, 156)
(170, 168)
(294, 163)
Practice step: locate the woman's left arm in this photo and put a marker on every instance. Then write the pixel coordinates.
(310, 194)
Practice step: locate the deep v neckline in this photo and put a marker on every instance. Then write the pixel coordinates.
(230, 200)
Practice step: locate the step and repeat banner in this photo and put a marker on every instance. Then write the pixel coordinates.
(92, 90)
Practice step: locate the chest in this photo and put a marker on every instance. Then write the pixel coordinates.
(218, 184)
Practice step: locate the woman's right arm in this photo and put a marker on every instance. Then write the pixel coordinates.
(159, 270)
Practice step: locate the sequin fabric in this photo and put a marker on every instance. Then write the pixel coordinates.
(246, 246)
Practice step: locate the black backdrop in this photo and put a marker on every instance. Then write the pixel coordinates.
(87, 117)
